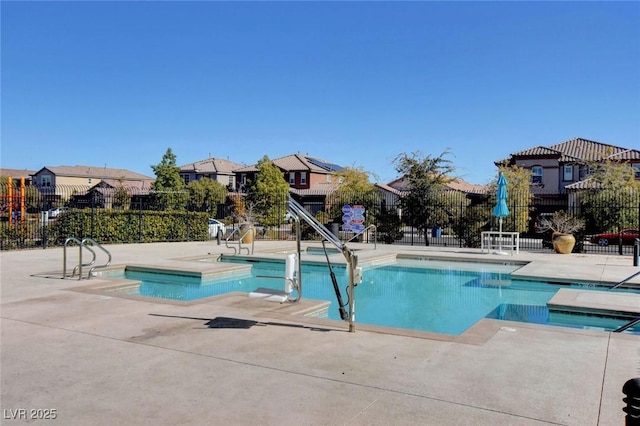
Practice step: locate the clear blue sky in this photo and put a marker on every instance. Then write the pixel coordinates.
(357, 83)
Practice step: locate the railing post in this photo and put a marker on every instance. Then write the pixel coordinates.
(636, 252)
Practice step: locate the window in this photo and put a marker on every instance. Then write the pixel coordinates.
(292, 178)
(328, 178)
(185, 178)
(536, 175)
(243, 179)
(231, 180)
(303, 178)
(567, 172)
(45, 180)
(584, 171)
(636, 167)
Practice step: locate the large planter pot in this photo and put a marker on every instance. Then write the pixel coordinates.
(563, 243)
(247, 233)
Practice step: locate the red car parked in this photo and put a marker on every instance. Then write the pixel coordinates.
(628, 237)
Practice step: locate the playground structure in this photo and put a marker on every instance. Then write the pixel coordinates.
(14, 202)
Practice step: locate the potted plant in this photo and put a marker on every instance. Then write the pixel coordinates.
(562, 225)
(243, 212)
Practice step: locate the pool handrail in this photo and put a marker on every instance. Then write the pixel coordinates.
(80, 265)
(297, 211)
(240, 238)
(625, 280)
(96, 244)
(300, 211)
(78, 268)
(64, 256)
(375, 236)
(627, 325)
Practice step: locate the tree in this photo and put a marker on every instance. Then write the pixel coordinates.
(268, 193)
(613, 189)
(121, 197)
(389, 225)
(205, 194)
(425, 179)
(169, 186)
(519, 190)
(472, 221)
(354, 189)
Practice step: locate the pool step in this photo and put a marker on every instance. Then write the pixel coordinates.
(604, 303)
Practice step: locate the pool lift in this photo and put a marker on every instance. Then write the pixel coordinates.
(293, 269)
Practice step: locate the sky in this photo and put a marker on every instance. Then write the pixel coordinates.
(116, 84)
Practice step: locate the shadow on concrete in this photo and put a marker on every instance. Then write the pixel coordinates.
(239, 323)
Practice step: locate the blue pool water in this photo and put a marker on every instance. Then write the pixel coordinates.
(434, 296)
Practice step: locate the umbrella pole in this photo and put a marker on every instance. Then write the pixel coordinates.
(500, 237)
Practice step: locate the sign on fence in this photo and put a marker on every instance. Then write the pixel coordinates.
(353, 218)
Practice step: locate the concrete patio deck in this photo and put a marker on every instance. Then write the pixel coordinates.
(92, 359)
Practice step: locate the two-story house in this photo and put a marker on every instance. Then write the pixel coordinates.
(557, 167)
(304, 173)
(217, 169)
(311, 179)
(59, 183)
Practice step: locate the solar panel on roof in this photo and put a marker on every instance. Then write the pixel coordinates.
(328, 166)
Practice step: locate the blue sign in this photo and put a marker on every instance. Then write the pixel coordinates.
(353, 218)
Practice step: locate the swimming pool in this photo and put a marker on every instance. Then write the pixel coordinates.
(425, 295)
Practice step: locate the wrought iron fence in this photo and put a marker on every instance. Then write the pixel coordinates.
(41, 217)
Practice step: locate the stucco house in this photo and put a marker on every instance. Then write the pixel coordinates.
(217, 169)
(60, 182)
(17, 174)
(305, 174)
(557, 169)
(49, 176)
(105, 194)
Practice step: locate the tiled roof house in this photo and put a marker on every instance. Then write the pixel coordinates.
(217, 169)
(562, 166)
(16, 174)
(306, 175)
(455, 185)
(62, 179)
(103, 194)
(394, 190)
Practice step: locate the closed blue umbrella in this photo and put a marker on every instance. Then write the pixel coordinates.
(501, 209)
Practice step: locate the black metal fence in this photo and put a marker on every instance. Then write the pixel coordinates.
(41, 217)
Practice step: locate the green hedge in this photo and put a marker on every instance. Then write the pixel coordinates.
(118, 226)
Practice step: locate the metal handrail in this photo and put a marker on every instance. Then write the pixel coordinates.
(296, 210)
(240, 238)
(375, 236)
(80, 265)
(78, 268)
(64, 256)
(300, 211)
(94, 243)
(627, 325)
(624, 281)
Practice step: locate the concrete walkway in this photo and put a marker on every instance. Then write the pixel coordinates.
(92, 359)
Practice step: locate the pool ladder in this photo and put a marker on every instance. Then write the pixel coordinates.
(240, 240)
(85, 243)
